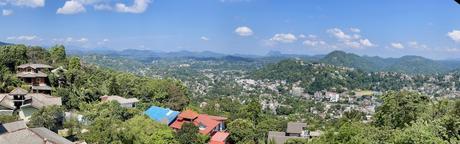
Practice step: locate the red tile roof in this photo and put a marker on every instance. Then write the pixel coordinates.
(188, 114)
(219, 138)
(208, 123)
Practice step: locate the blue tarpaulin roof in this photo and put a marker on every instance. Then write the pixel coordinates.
(166, 116)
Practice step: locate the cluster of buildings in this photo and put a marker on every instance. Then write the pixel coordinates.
(25, 102)
(213, 126)
(18, 133)
(294, 130)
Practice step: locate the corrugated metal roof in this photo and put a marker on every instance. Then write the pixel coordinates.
(166, 116)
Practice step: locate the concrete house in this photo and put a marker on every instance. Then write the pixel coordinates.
(35, 76)
(18, 133)
(124, 102)
(294, 130)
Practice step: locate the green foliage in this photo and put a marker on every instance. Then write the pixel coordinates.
(418, 132)
(58, 54)
(51, 117)
(8, 118)
(109, 109)
(188, 134)
(142, 130)
(242, 130)
(74, 63)
(400, 109)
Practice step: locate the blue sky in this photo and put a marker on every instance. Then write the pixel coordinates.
(389, 28)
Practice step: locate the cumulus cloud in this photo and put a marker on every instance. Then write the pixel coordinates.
(284, 38)
(244, 31)
(103, 41)
(454, 35)
(24, 3)
(102, 7)
(204, 38)
(71, 7)
(355, 30)
(7, 12)
(350, 40)
(139, 6)
(414, 44)
(23, 38)
(397, 45)
(314, 43)
(72, 40)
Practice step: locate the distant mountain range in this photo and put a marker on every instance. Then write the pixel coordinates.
(405, 64)
(3, 43)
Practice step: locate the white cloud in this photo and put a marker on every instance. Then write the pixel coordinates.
(355, 30)
(25, 3)
(397, 45)
(302, 36)
(244, 31)
(204, 38)
(7, 12)
(102, 7)
(284, 38)
(353, 41)
(82, 40)
(454, 35)
(314, 43)
(139, 6)
(103, 42)
(23, 38)
(414, 44)
(71, 7)
(366, 43)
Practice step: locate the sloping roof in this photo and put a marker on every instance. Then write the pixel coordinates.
(19, 91)
(14, 126)
(208, 123)
(295, 127)
(43, 87)
(41, 100)
(119, 99)
(188, 114)
(35, 66)
(166, 116)
(219, 138)
(6, 101)
(33, 136)
(280, 137)
(50, 136)
(31, 74)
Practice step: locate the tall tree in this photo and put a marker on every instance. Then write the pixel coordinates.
(400, 108)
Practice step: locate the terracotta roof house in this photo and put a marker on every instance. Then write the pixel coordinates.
(207, 124)
(219, 138)
(124, 102)
(18, 133)
(294, 130)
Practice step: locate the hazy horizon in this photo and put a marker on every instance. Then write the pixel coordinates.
(393, 28)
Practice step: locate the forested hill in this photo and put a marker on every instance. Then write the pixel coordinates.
(405, 64)
(3, 43)
(318, 76)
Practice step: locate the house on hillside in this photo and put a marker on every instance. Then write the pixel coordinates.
(25, 103)
(213, 126)
(35, 76)
(294, 130)
(18, 133)
(124, 102)
(162, 115)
